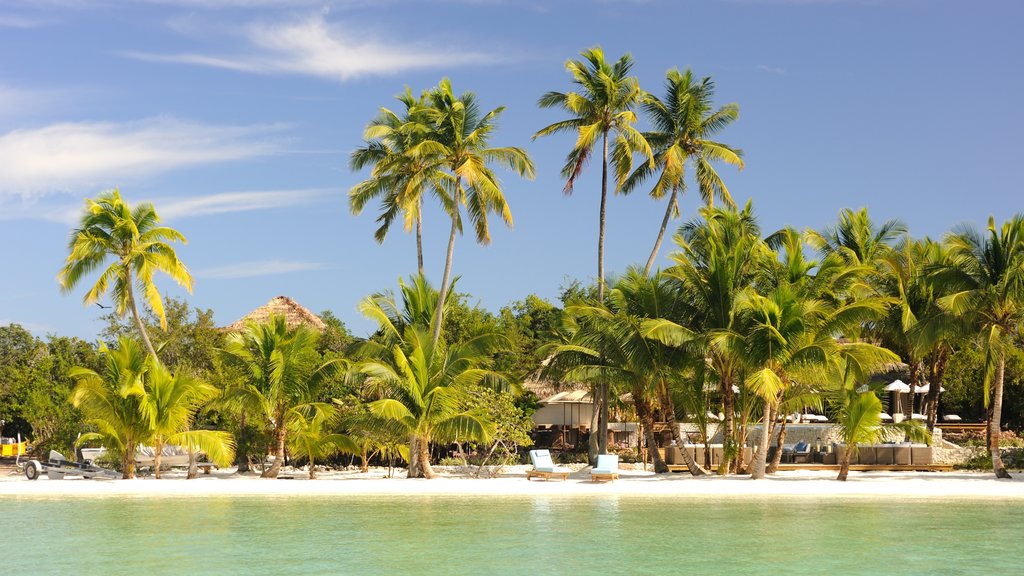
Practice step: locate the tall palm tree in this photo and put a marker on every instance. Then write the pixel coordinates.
(171, 402)
(138, 247)
(603, 107)
(283, 371)
(459, 141)
(684, 124)
(398, 179)
(720, 255)
(112, 400)
(423, 386)
(986, 282)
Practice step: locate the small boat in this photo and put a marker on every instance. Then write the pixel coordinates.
(146, 455)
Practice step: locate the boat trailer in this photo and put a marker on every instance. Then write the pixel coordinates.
(57, 466)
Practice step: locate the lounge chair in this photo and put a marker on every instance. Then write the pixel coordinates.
(802, 453)
(607, 468)
(952, 418)
(544, 468)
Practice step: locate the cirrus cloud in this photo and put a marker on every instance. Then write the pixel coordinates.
(71, 156)
(315, 47)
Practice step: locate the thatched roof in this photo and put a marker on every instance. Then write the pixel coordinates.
(294, 314)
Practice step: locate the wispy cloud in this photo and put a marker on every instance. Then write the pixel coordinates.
(315, 47)
(231, 202)
(85, 155)
(254, 269)
(771, 69)
(36, 328)
(67, 213)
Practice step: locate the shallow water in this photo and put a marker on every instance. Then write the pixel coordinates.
(509, 535)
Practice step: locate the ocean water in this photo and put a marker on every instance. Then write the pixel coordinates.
(509, 535)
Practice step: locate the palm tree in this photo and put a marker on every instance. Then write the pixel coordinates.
(611, 343)
(458, 140)
(112, 401)
(985, 277)
(720, 255)
(139, 247)
(603, 107)
(424, 386)
(283, 371)
(858, 419)
(171, 403)
(398, 178)
(310, 436)
(786, 338)
(684, 124)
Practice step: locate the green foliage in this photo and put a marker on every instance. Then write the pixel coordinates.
(35, 386)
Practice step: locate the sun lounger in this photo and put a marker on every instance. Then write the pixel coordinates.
(607, 468)
(544, 468)
(952, 418)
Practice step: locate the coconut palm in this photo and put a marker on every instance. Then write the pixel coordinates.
(423, 386)
(112, 401)
(720, 255)
(458, 140)
(611, 344)
(283, 370)
(137, 247)
(858, 418)
(786, 338)
(603, 107)
(310, 436)
(985, 277)
(171, 402)
(684, 124)
(398, 179)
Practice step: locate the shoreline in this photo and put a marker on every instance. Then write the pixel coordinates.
(885, 486)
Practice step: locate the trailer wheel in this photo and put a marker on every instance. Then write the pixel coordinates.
(32, 469)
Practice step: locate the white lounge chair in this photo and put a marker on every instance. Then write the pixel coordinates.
(544, 468)
(952, 418)
(607, 468)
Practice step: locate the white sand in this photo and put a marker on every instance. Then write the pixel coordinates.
(874, 485)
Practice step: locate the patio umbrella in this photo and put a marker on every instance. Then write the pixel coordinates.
(899, 387)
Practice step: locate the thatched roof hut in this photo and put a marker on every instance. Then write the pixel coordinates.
(294, 314)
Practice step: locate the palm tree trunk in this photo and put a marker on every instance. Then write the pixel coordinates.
(593, 447)
(242, 453)
(915, 381)
(661, 233)
(777, 458)
(279, 437)
(419, 243)
(761, 459)
(443, 294)
(138, 319)
(993, 425)
(158, 447)
(312, 468)
(128, 461)
(844, 463)
(415, 470)
(728, 403)
(938, 370)
(602, 439)
(601, 218)
(668, 406)
(193, 468)
(643, 410)
(424, 445)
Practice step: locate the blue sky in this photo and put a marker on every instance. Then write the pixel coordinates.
(236, 118)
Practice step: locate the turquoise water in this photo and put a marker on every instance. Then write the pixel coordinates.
(509, 535)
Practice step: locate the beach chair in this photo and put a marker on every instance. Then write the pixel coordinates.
(544, 468)
(802, 453)
(607, 468)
